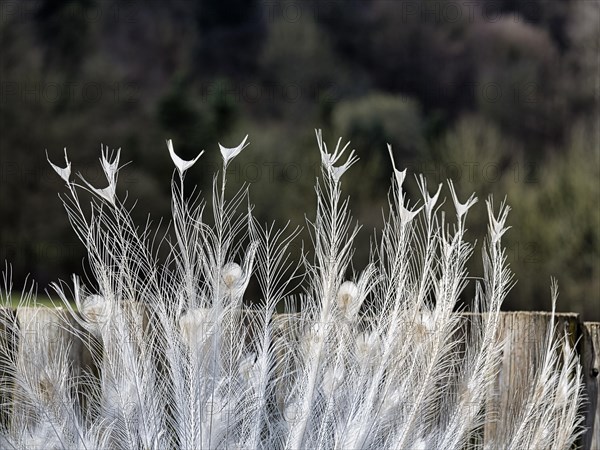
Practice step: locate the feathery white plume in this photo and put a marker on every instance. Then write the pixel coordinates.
(329, 159)
(97, 312)
(430, 201)
(461, 208)
(63, 173)
(332, 380)
(400, 175)
(406, 215)
(178, 362)
(348, 299)
(111, 170)
(368, 348)
(232, 275)
(497, 226)
(181, 164)
(230, 153)
(195, 326)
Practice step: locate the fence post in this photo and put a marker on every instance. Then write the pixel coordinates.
(42, 339)
(525, 335)
(590, 359)
(33, 335)
(7, 354)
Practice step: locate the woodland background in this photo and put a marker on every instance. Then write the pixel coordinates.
(501, 96)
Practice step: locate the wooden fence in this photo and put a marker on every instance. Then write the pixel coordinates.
(523, 334)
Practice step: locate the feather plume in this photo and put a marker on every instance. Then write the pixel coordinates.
(374, 359)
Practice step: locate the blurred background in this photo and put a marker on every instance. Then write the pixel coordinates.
(499, 95)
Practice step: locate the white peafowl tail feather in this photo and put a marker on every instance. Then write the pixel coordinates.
(387, 359)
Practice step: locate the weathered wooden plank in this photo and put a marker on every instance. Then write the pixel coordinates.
(525, 335)
(8, 350)
(45, 349)
(41, 331)
(590, 358)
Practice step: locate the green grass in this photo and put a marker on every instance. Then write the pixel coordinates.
(38, 302)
